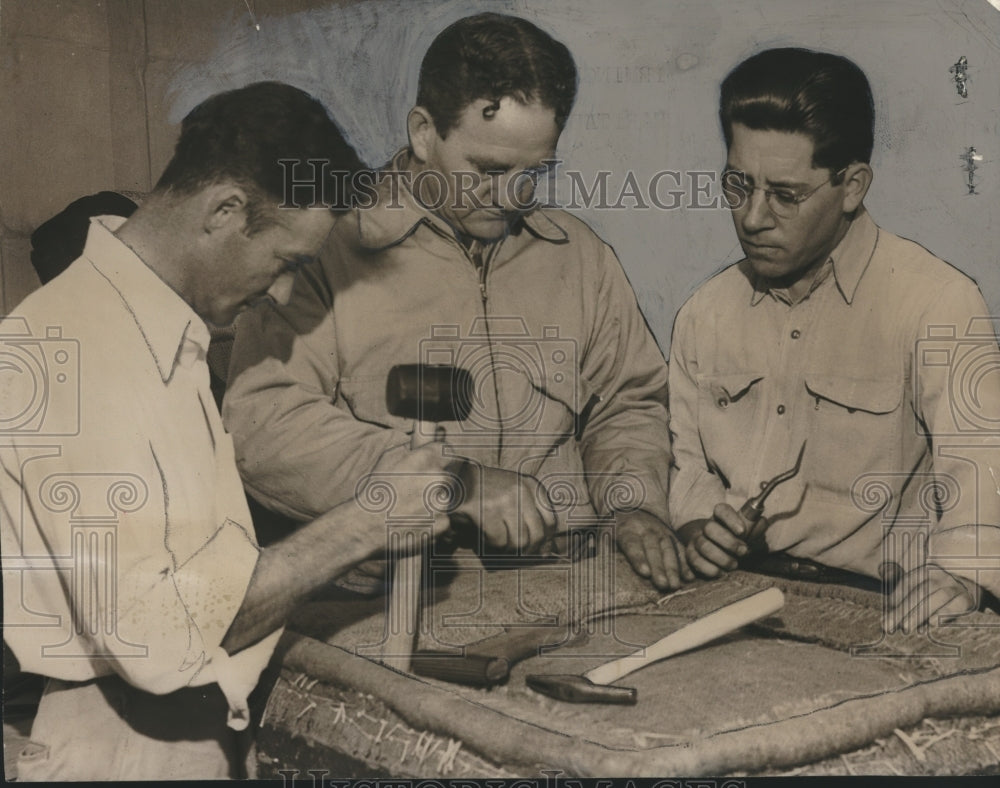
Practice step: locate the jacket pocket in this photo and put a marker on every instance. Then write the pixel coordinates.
(857, 422)
(728, 404)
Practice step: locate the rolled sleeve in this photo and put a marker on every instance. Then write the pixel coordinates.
(181, 619)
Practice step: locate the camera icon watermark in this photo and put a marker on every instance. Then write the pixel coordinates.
(910, 555)
(39, 381)
(523, 386)
(971, 360)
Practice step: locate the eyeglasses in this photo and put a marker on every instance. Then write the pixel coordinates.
(783, 203)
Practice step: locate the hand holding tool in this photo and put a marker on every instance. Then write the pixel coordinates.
(426, 393)
(592, 686)
(753, 509)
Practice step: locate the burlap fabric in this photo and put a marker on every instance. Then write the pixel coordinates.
(816, 679)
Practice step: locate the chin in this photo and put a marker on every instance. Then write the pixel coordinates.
(768, 268)
(487, 229)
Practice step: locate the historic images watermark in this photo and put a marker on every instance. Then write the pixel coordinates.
(547, 185)
(548, 778)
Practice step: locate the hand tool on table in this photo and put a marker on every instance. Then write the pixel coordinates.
(426, 393)
(753, 509)
(594, 685)
(488, 662)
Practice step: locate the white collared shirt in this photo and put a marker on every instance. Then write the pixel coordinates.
(127, 542)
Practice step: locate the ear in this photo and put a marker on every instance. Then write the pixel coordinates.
(857, 179)
(422, 133)
(224, 207)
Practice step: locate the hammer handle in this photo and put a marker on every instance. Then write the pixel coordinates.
(404, 598)
(723, 621)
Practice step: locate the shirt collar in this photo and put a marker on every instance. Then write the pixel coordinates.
(397, 213)
(173, 332)
(850, 259)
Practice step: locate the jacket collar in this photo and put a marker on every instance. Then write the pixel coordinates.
(165, 320)
(850, 259)
(397, 213)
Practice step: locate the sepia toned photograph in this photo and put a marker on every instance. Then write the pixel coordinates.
(500, 392)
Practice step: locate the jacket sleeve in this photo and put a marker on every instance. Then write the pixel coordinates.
(694, 488)
(956, 375)
(297, 451)
(625, 442)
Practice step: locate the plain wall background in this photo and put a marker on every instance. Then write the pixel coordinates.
(91, 94)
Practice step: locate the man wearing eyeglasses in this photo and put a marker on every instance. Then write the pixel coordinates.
(829, 332)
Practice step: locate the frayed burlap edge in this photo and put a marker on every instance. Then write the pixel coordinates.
(842, 727)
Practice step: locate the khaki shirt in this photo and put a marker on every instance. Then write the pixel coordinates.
(885, 368)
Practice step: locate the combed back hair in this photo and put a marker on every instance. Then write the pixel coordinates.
(492, 56)
(824, 96)
(242, 136)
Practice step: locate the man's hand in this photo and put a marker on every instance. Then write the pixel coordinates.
(410, 484)
(512, 510)
(652, 549)
(927, 592)
(715, 545)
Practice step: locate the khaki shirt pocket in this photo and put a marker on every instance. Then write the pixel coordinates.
(728, 406)
(857, 426)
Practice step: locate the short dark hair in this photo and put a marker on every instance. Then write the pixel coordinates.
(491, 56)
(243, 134)
(824, 96)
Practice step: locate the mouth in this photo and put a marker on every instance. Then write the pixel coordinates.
(760, 250)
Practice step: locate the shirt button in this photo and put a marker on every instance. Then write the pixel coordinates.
(796, 334)
(722, 402)
(781, 410)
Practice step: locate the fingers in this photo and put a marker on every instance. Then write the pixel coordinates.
(698, 562)
(935, 594)
(668, 557)
(726, 516)
(653, 550)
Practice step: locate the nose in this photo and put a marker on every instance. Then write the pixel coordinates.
(281, 289)
(757, 214)
(514, 191)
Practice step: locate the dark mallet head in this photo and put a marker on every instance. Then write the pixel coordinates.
(429, 392)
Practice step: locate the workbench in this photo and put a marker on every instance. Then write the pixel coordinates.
(817, 688)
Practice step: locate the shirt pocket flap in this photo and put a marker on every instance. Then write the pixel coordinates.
(728, 387)
(871, 395)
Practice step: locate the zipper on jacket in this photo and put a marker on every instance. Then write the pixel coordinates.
(486, 258)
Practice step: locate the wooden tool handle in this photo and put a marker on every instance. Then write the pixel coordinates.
(697, 633)
(403, 617)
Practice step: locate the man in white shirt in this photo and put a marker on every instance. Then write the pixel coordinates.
(132, 577)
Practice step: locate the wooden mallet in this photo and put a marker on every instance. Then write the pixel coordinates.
(428, 394)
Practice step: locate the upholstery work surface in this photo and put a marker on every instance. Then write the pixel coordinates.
(812, 689)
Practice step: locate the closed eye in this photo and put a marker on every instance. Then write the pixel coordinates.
(294, 262)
